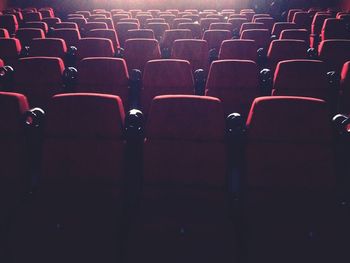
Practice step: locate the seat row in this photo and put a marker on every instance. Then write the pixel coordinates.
(89, 193)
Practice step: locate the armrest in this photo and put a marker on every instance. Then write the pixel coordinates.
(312, 53)
(200, 79)
(6, 78)
(71, 55)
(213, 55)
(134, 125)
(34, 118)
(135, 84)
(266, 82)
(70, 75)
(261, 60)
(119, 53)
(24, 52)
(341, 123)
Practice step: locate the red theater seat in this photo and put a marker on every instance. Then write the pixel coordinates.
(39, 78)
(285, 50)
(304, 78)
(4, 33)
(77, 195)
(51, 21)
(238, 49)
(345, 89)
(26, 35)
(105, 33)
(194, 27)
(334, 29)
(32, 17)
(261, 37)
(80, 21)
(122, 29)
(70, 36)
(171, 35)
(94, 25)
(138, 52)
(303, 20)
(113, 79)
(280, 26)
(183, 209)
(14, 172)
(163, 77)
(235, 83)
(41, 25)
(94, 47)
(335, 53)
(298, 34)
(214, 38)
(48, 47)
(195, 51)
(10, 49)
(140, 33)
(267, 21)
(250, 25)
(10, 23)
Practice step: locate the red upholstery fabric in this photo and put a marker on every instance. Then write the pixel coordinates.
(94, 47)
(66, 25)
(237, 23)
(195, 51)
(183, 194)
(303, 20)
(138, 52)
(280, 26)
(261, 37)
(166, 76)
(113, 79)
(216, 37)
(194, 27)
(221, 26)
(70, 36)
(31, 17)
(205, 23)
(39, 79)
(4, 33)
(9, 50)
(235, 83)
(171, 35)
(9, 22)
(334, 29)
(300, 129)
(250, 25)
(158, 29)
(238, 49)
(122, 30)
(80, 21)
(291, 13)
(284, 50)
(107, 21)
(345, 89)
(26, 35)
(178, 21)
(41, 25)
(48, 47)
(95, 25)
(140, 33)
(335, 53)
(305, 78)
(267, 21)
(298, 34)
(105, 33)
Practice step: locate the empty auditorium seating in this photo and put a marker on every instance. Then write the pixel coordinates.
(105, 33)
(173, 34)
(267, 21)
(80, 21)
(167, 76)
(194, 27)
(238, 49)
(335, 53)
(183, 209)
(9, 22)
(280, 26)
(122, 30)
(158, 29)
(26, 35)
(316, 27)
(291, 13)
(178, 21)
(284, 50)
(334, 29)
(304, 78)
(113, 79)
(14, 152)
(10, 49)
(39, 78)
(107, 21)
(299, 34)
(195, 51)
(303, 20)
(32, 16)
(289, 177)
(94, 47)
(261, 37)
(51, 21)
(138, 52)
(48, 47)
(216, 37)
(70, 36)
(140, 33)
(247, 26)
(235, 83)
(345, 89)
(82, 126)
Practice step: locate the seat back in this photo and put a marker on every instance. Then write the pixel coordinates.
(10, 49)
(214, 38)
(171, 35)
(94, 47)
(140, 33)
(10, 23)
(138, 52)
(261, 37)
(335, 53)
(235, 83)
(122, 29)
(48, 47)
(195, 51)
(70, 36)
(105, 33)
(244, 49)
(26, 35)
(39, 78)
